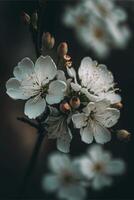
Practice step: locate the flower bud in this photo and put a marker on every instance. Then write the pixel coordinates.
(65, 107)
(25, 18)
(118, 105)
(123, 135)
(75, 102)
(62, 49)
(67, 57)
(47, 41)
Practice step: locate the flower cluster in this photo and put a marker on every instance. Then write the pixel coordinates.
(70, 178)
(88, 100)
(99, 25)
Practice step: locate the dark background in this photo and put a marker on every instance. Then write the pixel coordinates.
(17, 139)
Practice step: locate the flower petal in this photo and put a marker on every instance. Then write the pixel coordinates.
(97, 154)
(50, 183)
(115, 167)
(14, 90)
(72, 192)
(101, 181)
(112, 97)
(86, 134)
(61, 75)
(56, 92)
(25, 67)
(101, 134)
(58, 162)
(79, 120)
(63, 142)
(34, 107)
(86, 167)
(109, 117)
(45, 68)
(76, 87)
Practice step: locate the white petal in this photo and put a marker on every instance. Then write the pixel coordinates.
(76, 87)
(45, 68)
(71, 72)
(87, 110)
(14, 90)
(115, 167)
(56, 92)
(101, 134)
(61, 75)
(34, 107)
(86, 167)
(50, 183)
(85, 70)
(101, 181)
(86, 134)
(79, 120)
(97, 154)
(63, 142)
(72, 192)
(25, 67)
(109, 117)
(112, 97)
(59, 162)
(119, 15)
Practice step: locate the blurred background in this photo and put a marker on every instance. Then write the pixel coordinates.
(17, 140)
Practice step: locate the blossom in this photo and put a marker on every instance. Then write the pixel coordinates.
(36, 84)
(95, 36)
(98, 167)
(57, 128)
(113, 17)
(99, 25)
(65, 178)
(97, 82)
(94, 120)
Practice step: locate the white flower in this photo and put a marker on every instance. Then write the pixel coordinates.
(97, 81)
(58, 129)
(35, 84)
(99, 25)
(64, 179)
(95, 36)
(113, 17)
(94, 121)
(98, 166)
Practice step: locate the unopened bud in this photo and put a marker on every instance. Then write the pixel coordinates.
(34, 19)
(75, 102)
(62, 49)
(118, 105)
(25, 18)
(47, 41)
(67, 57)
(65, 107)
(123, 135)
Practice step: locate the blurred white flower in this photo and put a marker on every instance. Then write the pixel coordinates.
(65, 179)
(95, 36)
(94, 121)
(58, 129)
(97, 82)
(35, 84)
(98, 166)
(99, 25)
